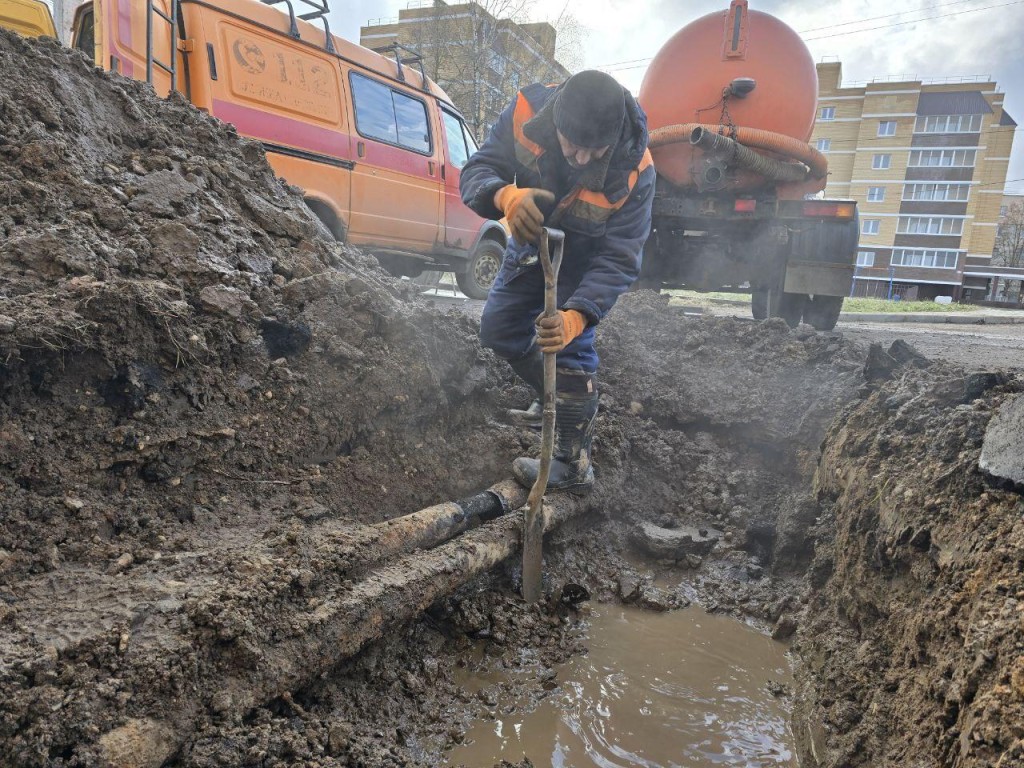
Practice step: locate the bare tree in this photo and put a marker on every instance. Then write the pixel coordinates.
(1009, 250)
(482, 52)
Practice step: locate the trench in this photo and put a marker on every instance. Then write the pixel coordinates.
(195, 568)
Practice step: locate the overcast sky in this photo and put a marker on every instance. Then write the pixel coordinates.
(873, 38)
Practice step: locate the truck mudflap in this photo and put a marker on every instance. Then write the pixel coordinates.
(822, 256)
(817, 277)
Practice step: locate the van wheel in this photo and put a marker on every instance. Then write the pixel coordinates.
(329, 219)
(481, 269)
(823, 312)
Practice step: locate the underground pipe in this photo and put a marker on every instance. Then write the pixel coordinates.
(369, 546)
(342, 625)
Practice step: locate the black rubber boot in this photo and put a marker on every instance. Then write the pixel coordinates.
(531, 370)
(575, 414)
(532, 417)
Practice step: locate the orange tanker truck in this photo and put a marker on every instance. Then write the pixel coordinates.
(731, 101)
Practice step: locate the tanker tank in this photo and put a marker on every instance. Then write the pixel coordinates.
(746, 76)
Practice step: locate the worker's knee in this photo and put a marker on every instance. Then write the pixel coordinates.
(508, 339)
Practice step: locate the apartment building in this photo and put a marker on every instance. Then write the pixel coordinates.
(926, 161)
(479, 60)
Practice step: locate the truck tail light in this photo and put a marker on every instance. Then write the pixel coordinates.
(745, 206)
(829, 209)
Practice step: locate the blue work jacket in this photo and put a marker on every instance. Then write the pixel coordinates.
(604, 209)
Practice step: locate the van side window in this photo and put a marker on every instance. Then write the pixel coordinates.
(388, 115)
(458, 154)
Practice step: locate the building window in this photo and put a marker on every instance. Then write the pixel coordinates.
(948, 124)
(937, 192)
(929, 225)
(390, 116)
(870, 226)
(497, 63)
(921, 257)
(824, 145)
(946, 158)
(828, 113)
(886, 127)
(865, 258)
(876, 194)
(881, 162)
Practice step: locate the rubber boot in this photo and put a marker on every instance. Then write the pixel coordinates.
(531, 370)
(575, 414)
(532, 417)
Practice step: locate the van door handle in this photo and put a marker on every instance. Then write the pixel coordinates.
(361, 149)
(443, 174)
(430, 167)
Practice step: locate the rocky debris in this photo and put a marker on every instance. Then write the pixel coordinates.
(675, 543)
(784, 627)
(881, 364)
(1002, 450)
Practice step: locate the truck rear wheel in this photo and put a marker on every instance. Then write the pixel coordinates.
(823, 312)
(789, 306)
(481, 269)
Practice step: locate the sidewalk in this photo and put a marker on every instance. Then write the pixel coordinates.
(982, 317)
(985, 316)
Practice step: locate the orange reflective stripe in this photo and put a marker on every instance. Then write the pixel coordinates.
(527, 151)
(645, 162)
(599, 200)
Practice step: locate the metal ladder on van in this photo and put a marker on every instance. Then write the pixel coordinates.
(410, 57)
(320, 9)
(171, 65)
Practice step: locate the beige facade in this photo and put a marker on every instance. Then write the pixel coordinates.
(926, 162)
(480, 61)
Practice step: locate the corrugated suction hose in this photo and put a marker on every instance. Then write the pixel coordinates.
(809, 161)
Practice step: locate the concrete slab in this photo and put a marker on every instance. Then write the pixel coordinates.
(1002, 452)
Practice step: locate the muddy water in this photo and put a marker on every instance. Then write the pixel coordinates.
(657, 689)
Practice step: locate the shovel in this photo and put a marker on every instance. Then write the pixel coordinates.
(533, 525)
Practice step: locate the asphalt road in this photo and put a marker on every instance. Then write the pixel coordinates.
(972, 346)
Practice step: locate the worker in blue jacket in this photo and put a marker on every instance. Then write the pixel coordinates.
(572, 156)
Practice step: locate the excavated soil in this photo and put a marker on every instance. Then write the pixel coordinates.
(202, 397)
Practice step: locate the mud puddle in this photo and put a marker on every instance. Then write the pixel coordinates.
(682, 688)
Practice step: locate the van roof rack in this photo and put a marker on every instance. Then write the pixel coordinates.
(318, 10)
(402, 56)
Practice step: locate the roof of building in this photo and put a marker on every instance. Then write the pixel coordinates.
(1005, 119)
(953, 103)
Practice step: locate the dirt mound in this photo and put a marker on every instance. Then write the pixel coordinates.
(187, 369)
(157, 282)
(913, 648)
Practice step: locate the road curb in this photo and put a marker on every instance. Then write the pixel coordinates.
(936, 318)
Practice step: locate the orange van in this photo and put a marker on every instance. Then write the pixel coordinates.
(375, 144)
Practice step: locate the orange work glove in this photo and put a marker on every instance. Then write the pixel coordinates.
(555, 333)
(522, 210)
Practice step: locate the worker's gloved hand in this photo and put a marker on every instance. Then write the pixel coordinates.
(555, 333)
(525, 211)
